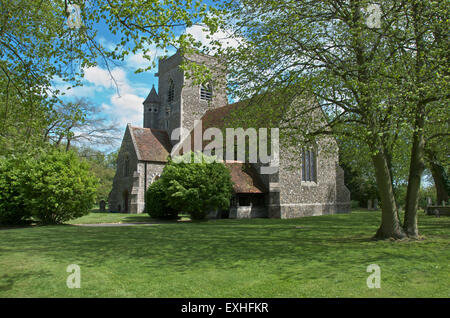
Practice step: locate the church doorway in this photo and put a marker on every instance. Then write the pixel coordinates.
(125, 201)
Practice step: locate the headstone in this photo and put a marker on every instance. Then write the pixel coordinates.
(102, 206)
(443, 203)
(429, 201)
(375, 204)
(369, 204)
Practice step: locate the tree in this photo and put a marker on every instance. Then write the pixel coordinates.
(79, 122)
(101, 167)
(39, 46)
(439, 170)
(423, 88)
(352, 68)
(196, 188)
(13, 172)
(52, 186)
(59, 187)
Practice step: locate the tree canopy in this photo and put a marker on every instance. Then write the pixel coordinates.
(378, 72)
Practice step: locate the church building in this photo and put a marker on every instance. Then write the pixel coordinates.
(314, 187)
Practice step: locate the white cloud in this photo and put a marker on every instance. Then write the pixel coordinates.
(120, 99)
(133, 61)
(126, 108)
(202, 34)
(137, 61)
(125, 98)
(115, 78)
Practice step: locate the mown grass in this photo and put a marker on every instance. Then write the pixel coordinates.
(323, 256)
(97, 217)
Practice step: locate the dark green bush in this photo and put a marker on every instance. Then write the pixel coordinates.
(61, 187)
(195, 188)
(198, 186)
(53, 186)
(156, 202)
(12, 200)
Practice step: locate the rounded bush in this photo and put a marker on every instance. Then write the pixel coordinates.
(61, 187)
(53, 186)
(196, 184)
(155, 202)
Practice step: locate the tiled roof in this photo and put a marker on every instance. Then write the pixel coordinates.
(221, 118)
(151, 144)
(245, 178)
(216, 118)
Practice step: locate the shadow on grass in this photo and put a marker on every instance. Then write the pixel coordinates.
(148, 219)
(335, 241)
(7, 281)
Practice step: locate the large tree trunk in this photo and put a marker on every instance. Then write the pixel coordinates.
(390, 224)
(68, 144)
(417, 164)
(440, 178)
(416, 168)
(388, 154)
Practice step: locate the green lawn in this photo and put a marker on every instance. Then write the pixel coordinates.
(326, 256)
(96, 217)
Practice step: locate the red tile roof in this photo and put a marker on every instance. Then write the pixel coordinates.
(152, 144)
(245, 178)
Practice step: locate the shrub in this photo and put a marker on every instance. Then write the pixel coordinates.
(61, 187)
(54, 187)
(156, 203)
(12, 201)
(198, 186)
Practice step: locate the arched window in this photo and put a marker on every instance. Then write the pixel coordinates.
(309, 165)
(171, 91)
(206, 92)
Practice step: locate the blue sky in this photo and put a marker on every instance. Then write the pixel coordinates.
(119, 100)
(122, 103)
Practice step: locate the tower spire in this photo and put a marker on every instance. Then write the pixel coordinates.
(151, 109)
(152, 96)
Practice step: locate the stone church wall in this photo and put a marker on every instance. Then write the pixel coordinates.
(170, 113)
(305, 198)
(288, 195)
(193, 107)
(123, 180)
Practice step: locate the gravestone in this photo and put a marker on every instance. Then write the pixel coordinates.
(102, 206)
(369, 204)
(375, 204)
(429, 201)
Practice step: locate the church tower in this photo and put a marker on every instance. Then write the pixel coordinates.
(152, 110)
(180, 100)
